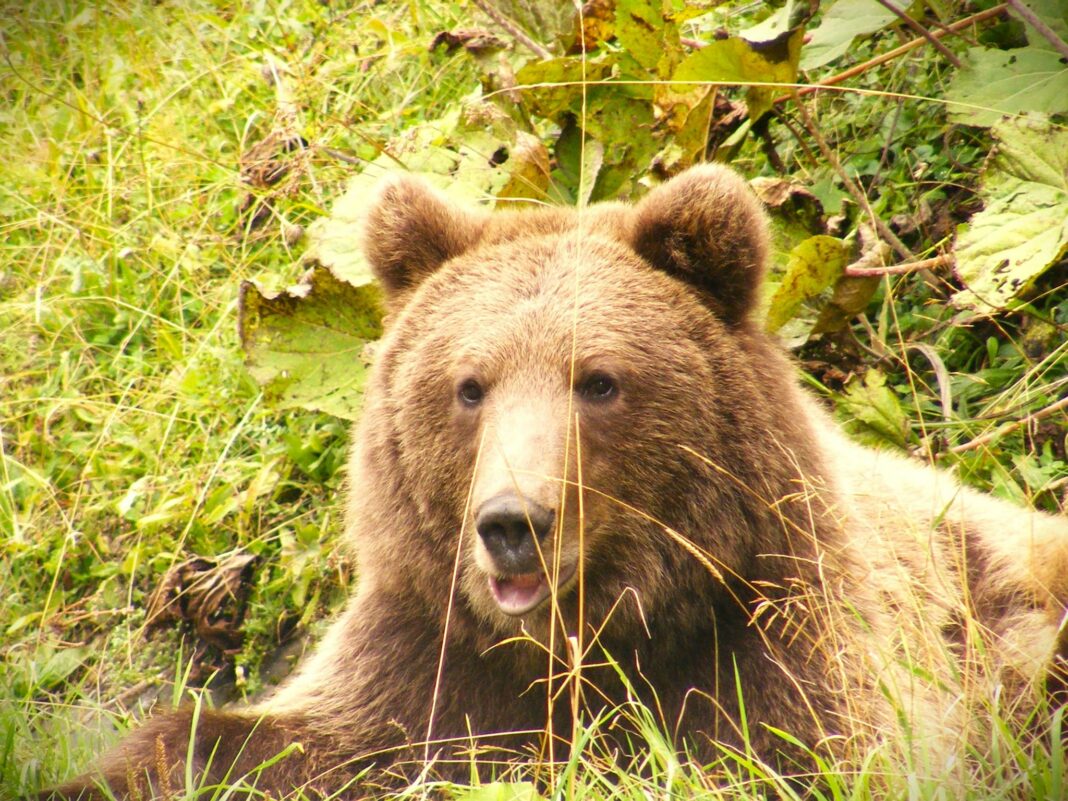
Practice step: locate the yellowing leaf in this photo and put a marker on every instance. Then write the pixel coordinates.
(813, 266)
(730, 60)
(334, 240)
(651, 40)
(1023, 228)
(528, 169)
(841, 24)
(552, 87)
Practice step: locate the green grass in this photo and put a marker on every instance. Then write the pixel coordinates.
(131, 437)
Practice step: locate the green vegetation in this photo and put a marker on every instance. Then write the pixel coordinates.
(158, 154)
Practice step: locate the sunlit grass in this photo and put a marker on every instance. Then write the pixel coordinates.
(130, 434)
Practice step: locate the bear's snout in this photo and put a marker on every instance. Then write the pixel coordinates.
(512, 528)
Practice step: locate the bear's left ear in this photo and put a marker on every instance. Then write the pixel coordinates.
(707, 228)
(411, 230)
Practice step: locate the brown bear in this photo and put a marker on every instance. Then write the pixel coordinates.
(585, 477)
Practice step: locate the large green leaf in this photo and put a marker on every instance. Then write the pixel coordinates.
(624, 127)
(1023, 228)
(307, 346)
(730, 60)
(841, 24)
(619, 117)
(1052, 12)
(992, 83)
(737, 61)
(778, 26)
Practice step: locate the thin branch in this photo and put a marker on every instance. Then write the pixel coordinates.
(1056, 485)
(513, 29)
(854, 271)
(851, 186)
(1012, 425)
(922, 31)
(890, 55)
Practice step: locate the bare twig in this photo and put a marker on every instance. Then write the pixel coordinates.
(785, 120)
(851, 186)
(1056, 485)
(890, 55)
(922, 31)
(1012, 425)
(513, 29)
(1036, 22)
(854, 271)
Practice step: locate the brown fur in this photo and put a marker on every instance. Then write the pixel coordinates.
(722, 532)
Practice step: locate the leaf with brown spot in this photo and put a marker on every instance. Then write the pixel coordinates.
(598, 23)
(1023, 228)
(814, 266)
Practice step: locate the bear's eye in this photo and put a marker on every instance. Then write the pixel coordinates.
(470, 392)
(598, 387)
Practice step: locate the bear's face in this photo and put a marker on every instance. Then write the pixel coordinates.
(547, 383)
(552, 381)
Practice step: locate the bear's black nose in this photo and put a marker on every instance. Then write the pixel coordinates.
(510, 527)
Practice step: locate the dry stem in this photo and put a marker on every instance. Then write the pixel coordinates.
(851, 186)
(854, 271)
(1012, 425)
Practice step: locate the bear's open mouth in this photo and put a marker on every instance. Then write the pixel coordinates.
(521, 593)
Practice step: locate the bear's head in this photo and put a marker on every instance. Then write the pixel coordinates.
(572, 411)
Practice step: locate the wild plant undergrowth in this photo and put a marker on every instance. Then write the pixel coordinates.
(157, 154)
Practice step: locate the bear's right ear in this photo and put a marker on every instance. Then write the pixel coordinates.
(411, 230)
(706, 228)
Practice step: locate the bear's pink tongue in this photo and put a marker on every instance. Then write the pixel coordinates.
(518, 594)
